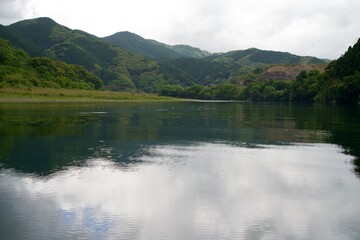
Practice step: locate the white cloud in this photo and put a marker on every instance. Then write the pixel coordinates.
(191, 192)
(310, 27)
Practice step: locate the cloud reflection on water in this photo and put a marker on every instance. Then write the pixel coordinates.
(202, 191)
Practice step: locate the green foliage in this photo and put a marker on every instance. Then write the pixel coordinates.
(189, 52)
(152, 48)
(270, 91)
(218, 76)
(203, 72)
(83, 95)
(341, 80)
(17, 69)
(172, 91)
(237, 67)
(122, 70)
(137, 44)
(216, 92)
(119, 69)
(305, 87)
(346, 65)
(346, 90)
(33, 36)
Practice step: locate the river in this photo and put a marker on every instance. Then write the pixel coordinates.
(179, 170)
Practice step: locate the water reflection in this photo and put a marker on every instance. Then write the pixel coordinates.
(197, 191)
(179, 171)
(43, 138)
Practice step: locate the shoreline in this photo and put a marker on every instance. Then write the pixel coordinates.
(44, 95)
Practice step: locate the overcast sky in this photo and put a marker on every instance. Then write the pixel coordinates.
(321, 28)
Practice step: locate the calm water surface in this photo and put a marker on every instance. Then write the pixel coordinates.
(196, 170)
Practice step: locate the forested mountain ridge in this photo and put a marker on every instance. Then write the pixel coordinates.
(49, 50)
(117, 67)
(153, 49)
(18, 69)
(243, 66)
(123, 70)
(255, 55)
(340, 83)
(137, 44)
(206, 68)
(341, 80)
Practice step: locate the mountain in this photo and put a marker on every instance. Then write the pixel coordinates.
(203, 72)
(347, 65)
(287, 72)
(244, 65)
(127, 62)
(18, 69)
(117, 67)
(137, 44)
(341, 80)
(153, 49)
(184, 51)
(256, 56)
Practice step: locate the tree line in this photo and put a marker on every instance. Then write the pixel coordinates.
(339, 83)
(307, 87)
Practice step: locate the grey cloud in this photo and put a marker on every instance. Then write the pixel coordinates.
(311, 27)
(12, 11)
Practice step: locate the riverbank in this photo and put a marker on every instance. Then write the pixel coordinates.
(73, 95)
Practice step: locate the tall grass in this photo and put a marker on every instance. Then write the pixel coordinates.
(51, 94)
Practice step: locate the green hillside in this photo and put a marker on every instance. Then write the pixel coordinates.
(257, 56)
(117, 67)
(137, 44)
(239, 66)
(341, 80)
(55, 56)
(153, 49)
(189, 52)
(18, 69)
(203, 72)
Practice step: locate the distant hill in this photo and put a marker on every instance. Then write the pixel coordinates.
(117, 67)
(127, 62)
(256, 56)
(153, 49)
(239, 66)
(203, 72)
(287, 72)
(137, 44)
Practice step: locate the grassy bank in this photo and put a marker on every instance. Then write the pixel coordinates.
(50, 94)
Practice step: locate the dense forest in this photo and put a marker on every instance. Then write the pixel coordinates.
(43, 53)
(119, 69)
(307, 87)
(18, 69)
(340, 82)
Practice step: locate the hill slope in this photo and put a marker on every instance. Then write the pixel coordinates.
(240, 66)
(153, 49)
(122, 69)
(17, 68)
(118, 68)
(137, 44)
(341, 80)
(254, 55)
(287, 72)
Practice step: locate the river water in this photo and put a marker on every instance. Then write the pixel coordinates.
(179, 170)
